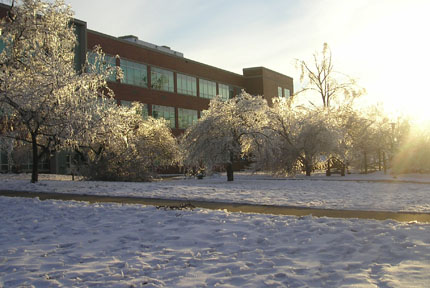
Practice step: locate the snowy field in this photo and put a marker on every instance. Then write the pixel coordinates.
(76, 244)
(359, 192)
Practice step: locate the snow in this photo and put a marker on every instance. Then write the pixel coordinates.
(76, 244)
(355, 192)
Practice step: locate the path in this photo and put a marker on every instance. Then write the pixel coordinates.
(231, 207)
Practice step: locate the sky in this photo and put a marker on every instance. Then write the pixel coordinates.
(384, 44)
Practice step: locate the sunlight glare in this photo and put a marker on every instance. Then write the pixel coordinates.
(399, 53)
(386, 48)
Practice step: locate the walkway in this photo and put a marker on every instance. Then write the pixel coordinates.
(231, 207)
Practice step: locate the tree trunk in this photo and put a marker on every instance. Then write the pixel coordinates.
(328, 172)
(385, 162)
(365, 162)
(308, 169)
(379, 160)
(35, 170)
(229, 168)
(342, 170)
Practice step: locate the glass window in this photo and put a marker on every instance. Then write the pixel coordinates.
(230, 92)
(68, 161)
(207, 89)
(109, 61)
(134, 73)
(145, 113)
(165, 112)
(186, 117)
(287, 93)
(2, 44)
(4, 161)
(162, 79)
(27, 163)
(224, 91)
(280, 92)
(186, 84)
(3, 41)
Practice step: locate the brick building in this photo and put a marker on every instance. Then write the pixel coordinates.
(175, 87)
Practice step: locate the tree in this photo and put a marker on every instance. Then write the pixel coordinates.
(46, 102)
(129, 147)
(300, 138)
(321, 78)
(368, 135)
(380, 136)
(225, 132)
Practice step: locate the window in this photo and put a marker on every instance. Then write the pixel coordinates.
(109, 61)
(4, 161)
(68, 161)
(207, 89)
(165, 112)
(186, 118)
(134, 73)
(224, 91)
(2, 44)
(186, 84)
(230, 92)
(287, 93)
(2, 41)
(80, 32)
(27, 162)
(280, 92)
(162, 79)
(145, 113)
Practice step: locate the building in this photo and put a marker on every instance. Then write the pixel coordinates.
(175, 87)
(171, 86)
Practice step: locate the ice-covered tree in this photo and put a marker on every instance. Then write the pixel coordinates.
(320, 78)
(45, 101)
(226, 132)
(300, 138)
(373, 138)
(336, 90)
(129, 147)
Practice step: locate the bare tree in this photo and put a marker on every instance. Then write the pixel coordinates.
(321, 78)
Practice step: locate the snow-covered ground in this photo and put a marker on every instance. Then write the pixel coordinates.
(76, 244)
(356, 192)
